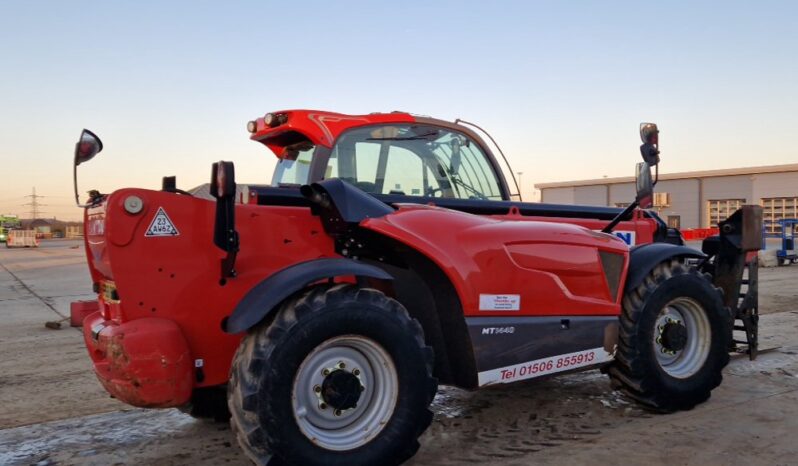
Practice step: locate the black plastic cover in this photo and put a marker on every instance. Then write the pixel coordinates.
(264, 297)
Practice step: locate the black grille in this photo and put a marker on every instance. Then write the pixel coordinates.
(613, 266)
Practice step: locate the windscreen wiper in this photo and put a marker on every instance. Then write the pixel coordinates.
(468, 187)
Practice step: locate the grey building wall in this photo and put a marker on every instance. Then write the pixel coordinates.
(558, 195)
(725, 187)
(591, 195)
(683, 202)
(689, 197)
(622, 193)
(766, 185)
(728, 187)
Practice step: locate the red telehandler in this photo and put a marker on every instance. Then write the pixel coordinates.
(385, 258)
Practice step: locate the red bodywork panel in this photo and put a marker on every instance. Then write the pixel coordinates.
(177, 278)
(144, 362)
(555, 268)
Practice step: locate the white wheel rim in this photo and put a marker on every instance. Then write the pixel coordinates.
(690, 359)
(345, 429)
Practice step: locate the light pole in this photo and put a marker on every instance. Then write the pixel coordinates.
(520, 185)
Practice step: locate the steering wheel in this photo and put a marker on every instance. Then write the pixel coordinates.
(433, 192)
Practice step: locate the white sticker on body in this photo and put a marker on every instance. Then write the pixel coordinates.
(545, 366)
(499, 302)
(161, 225)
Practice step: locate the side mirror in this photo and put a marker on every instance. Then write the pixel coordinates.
(223, 180)
(225, 236)
(645, 187)
(87, 147)
(649, 134)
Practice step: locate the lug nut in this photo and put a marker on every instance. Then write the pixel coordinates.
(337, 412)
(341, 365)
(325, 372)
(356, 372)
(323, 405)
(317, 389)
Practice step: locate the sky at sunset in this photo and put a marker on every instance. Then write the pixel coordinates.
(562, 86)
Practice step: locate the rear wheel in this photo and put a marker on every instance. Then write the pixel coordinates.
(673, 340)
(341, 377)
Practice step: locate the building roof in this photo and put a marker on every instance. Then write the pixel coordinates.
(792, 167)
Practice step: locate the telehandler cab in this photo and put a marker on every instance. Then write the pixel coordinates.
(385, 258)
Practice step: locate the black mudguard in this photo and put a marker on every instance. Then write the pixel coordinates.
(643, 259)
(264, 297)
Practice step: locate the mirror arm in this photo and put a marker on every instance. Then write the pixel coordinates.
(75, 183)
(618, 218)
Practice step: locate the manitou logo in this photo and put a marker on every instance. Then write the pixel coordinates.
(627, 237)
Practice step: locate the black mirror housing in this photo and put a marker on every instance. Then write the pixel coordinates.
(649, 134)
(87, 147)
(223, 180)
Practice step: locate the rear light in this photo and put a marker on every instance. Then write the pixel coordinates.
(252, 126)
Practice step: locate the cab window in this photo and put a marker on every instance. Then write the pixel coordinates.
(293, 168)
(413, 160)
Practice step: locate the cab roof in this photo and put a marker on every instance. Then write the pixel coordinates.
(319, 127)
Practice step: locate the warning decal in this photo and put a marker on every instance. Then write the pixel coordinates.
(161, 225)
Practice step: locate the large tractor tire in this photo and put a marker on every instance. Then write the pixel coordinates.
(342, 376)
(674, 339)
(209, 403)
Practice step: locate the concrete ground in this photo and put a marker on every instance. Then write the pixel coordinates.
(53, 411)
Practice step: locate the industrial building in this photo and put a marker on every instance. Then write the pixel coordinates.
(693, 199)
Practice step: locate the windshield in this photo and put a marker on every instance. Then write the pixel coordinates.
(413, 160)
(294, 168)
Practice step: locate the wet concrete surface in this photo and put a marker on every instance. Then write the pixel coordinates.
(53, 411)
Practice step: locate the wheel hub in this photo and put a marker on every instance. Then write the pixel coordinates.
(674, 336)
(682, 337)
(341, 390)
(344, 392)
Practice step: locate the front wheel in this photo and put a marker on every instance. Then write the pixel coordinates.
(341, 377)
(673, 341)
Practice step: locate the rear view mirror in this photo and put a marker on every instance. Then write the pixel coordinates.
(223, 180)
(87, 147)
(645, 187)
(649, 134)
